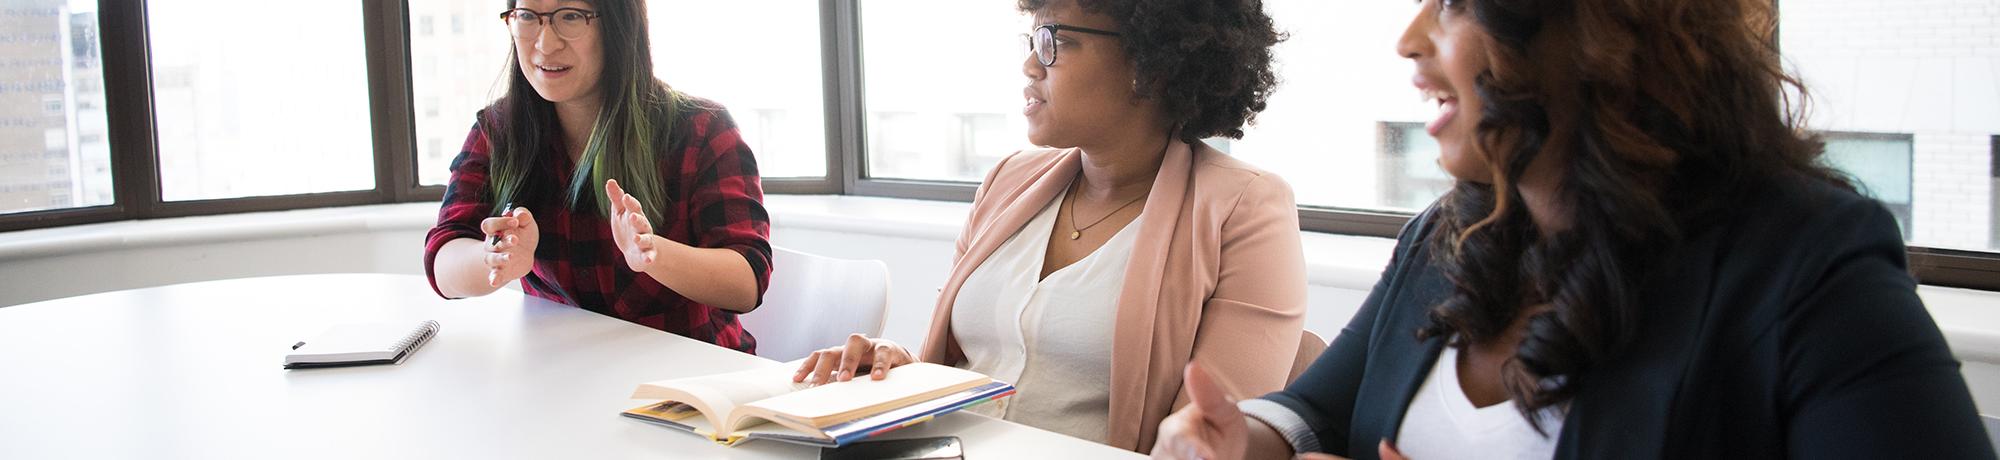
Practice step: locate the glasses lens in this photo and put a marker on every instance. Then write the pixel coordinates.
(523, 23)
(1045, 46)
(571, 25)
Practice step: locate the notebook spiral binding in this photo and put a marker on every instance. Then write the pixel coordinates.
(417, 337)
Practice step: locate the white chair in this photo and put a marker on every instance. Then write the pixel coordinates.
(814, 302)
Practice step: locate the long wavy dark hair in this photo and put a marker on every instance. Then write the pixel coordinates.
(633, 126)
(1660, 114)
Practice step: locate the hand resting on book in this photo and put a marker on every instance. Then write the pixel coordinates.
(840, 363)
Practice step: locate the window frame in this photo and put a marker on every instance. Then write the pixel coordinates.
(124, 40)
(1933, 266)
(1993, 181)
(135, 163)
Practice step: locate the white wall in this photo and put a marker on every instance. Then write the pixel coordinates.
(45, 264)
(913, 237)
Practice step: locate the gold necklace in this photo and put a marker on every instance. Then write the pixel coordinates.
(1075, 232)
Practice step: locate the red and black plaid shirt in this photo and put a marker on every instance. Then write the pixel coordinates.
(715, 201)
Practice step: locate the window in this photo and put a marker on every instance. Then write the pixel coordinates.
(943, 87)
(52, 126)
(1406, 160)
(283, 113)
(460, 74)
(1325, 129)
(1880, 66)
(1345, 128)
(1880, 164)
(770, 80)
(348, 105)
(759, 58)
(951, 146)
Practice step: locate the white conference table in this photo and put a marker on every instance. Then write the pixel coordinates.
(195, 371)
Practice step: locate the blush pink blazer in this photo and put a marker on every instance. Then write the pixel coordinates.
(1217, 276)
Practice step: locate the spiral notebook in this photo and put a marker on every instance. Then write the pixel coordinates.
(361, 344)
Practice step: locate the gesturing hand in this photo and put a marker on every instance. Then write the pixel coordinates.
(511, 253)
(629, 228)
(1209, 427)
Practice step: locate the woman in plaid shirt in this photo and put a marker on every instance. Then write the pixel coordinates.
(598, 186)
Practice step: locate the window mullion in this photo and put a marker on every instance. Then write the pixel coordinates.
(128, 94)
(840, 41)
(389, 98)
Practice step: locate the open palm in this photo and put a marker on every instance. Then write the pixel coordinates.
(630, 229)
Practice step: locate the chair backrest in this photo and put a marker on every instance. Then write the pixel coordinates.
(814, 302)
(1992, 430)
(1310, 346)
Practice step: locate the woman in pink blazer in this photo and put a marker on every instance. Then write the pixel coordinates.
(1091, 273)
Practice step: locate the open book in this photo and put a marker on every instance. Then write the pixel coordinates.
(764, 403)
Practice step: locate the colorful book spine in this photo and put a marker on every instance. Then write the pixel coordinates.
(863, 428)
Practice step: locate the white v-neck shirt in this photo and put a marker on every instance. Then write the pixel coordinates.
(1051, 337)
(1441, 422)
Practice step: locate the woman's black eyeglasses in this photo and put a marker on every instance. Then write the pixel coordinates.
(1042, 42)
(570, 23)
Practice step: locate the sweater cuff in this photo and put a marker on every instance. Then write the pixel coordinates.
(1289, 425)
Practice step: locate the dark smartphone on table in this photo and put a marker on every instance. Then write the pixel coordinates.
(938, 448)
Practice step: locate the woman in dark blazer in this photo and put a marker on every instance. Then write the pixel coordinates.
(1643, 257)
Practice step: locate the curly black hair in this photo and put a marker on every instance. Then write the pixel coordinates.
(1208, 62)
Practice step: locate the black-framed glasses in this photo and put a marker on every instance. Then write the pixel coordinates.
(570, 23)
(1042, 42)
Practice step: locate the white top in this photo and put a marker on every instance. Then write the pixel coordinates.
(1051, 337)
(1441, 422)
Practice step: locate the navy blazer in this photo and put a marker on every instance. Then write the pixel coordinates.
(1793, 329)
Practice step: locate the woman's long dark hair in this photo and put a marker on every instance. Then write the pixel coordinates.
(1660, 114)
(638, 115)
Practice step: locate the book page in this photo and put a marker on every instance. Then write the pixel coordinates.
(837, 402)
(683, 417)
(719, 394)
(676, 415)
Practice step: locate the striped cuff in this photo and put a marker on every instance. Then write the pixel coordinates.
(1289, 425)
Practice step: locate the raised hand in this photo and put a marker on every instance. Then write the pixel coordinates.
(1210, 427)
(630, 229)
(510, 251)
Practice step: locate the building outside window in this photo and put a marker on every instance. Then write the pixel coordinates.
(1880, 166)
(222, 129)
(1931, 74)
(53, 153)
(1407, 158)
(1907, 98)
(770, 80)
